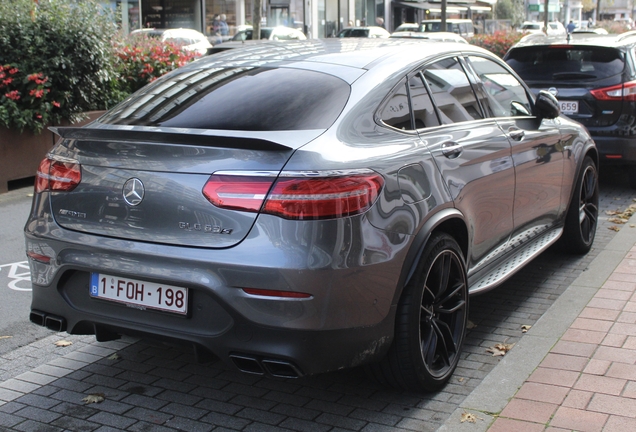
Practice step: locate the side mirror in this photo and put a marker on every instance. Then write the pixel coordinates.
(546, 106)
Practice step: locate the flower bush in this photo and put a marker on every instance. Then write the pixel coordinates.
(497, 43)
(56, 60)
(141, 60)
(26, 100)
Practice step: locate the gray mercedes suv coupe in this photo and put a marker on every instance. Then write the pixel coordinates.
(299, 208)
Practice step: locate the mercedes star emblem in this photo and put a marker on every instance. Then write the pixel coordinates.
(133, 191)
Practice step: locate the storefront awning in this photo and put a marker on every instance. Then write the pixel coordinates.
(416, 5)
(435, 7)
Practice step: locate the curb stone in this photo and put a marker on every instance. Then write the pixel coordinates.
(492, 395)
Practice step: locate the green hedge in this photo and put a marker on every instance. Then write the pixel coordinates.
(56, 60)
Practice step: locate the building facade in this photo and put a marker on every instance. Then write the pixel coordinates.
(316, 18)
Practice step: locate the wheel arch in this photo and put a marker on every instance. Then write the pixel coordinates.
(591, 151)
(450, 221)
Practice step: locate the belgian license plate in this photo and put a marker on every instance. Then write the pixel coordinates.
(569, 107)
(139, 294)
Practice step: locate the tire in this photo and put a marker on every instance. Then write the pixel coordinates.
(431, 321)
(582, 217)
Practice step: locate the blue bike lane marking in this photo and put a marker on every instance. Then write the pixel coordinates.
(19, 275)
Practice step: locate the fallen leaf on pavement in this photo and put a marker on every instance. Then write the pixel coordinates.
(114, 357)
(500, 349)
(469, 417)
(63, 343)
(617, 220)
(614, 228)
(525, 328)
(470, 325)
(94, 398)
(6, 337)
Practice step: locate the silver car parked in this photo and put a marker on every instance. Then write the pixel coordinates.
(302, 208)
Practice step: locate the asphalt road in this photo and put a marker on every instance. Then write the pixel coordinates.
(15, 283)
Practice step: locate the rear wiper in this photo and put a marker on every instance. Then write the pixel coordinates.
(572, 75)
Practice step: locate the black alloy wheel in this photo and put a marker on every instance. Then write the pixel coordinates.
(430, 322)
(582, 218)
(442, 314)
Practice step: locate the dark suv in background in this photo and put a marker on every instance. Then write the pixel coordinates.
(594, 78)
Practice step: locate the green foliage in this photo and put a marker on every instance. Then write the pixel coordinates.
(141, 60)
(497, 43)
(67, 45)
(510, 9)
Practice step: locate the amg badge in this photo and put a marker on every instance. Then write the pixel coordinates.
(212, 229)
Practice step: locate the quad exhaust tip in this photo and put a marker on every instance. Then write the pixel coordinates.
(273, 367)
(51, 322)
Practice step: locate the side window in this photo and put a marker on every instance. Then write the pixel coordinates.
(452, 92)
(423, 110)
(506, 95)
(396, 111)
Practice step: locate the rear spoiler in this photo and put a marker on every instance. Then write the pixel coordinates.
(162, 137)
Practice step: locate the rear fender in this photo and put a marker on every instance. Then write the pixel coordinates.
(449, 220)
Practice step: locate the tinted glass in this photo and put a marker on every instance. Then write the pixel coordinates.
(452, 92)
(251, 99)
(505, 94)
(423, 110)
(565, 63)
(396, 111)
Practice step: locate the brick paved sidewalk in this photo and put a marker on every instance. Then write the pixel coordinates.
(573, 371)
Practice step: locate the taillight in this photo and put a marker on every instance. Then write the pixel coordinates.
(625, 91)
(301, 196)
(55, 175)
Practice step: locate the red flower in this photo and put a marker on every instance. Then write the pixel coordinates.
(7, 81)
(56, 104)
(13, 71)
(37, 93)
(13, 95)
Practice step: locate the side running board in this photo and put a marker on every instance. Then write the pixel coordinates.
(516, 261)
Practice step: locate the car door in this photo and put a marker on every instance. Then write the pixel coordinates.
(473, 155)
(537, 149)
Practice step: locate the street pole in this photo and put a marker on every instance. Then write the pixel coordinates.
(443, 21)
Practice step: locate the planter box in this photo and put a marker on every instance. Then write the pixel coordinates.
(21, 153)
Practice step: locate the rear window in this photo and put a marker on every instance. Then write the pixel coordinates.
(566, 63)
(246, 98)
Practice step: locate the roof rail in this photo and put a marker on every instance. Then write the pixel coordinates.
(626, 35)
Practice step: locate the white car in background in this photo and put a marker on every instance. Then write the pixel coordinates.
(555, 28)
(438, 36)
(187, 39)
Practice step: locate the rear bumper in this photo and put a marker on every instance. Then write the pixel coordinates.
(615, 149)
(348, 319)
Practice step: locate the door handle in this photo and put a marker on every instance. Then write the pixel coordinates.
(451, 149)
(516, 134)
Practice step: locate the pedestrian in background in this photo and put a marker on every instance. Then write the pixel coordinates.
(571, 26)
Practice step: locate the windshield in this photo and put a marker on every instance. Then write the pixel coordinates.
(540, 63)
(241, 98)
